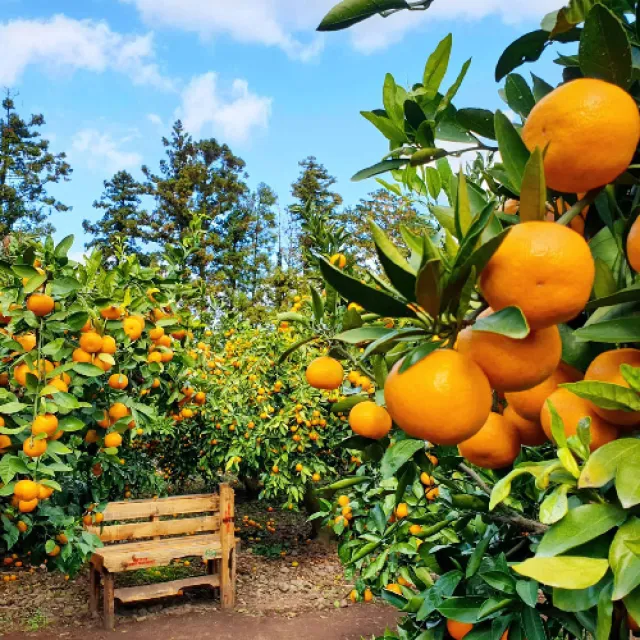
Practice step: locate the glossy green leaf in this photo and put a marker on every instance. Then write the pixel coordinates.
(391, 106)
(626, 329)
(378, 168)
(603, 463)
(350, 12)
(62, 287)
(518, 94)
(62, 248)
(418, 354)
(437, 65)
(428, 293)
(555, 506)
(527, 48)
(363, 334)
(480, 121)
(605, 613)
(512, 149)
(395, 266)
(462, 209)
(565, 572)
(606, 394)
(628, 482)
(557, 426)
(541, 88)
(573, 600)
(533, 193)
(423, 156)
(630, 294)
(532, 626)
(502, 488)
(453, 89)
(86, 369)
(624, 563)
(605, 52)
(396, 456)
(579, 526)
(509, 322)
(461, 608)
(528, 592)
(605, 283)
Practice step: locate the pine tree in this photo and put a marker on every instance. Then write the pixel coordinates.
(27, 167)
(122, 225)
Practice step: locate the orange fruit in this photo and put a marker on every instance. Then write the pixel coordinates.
(495, 446)
(633, 245)
(118, 411)
(34, 448)
(545, 269)
(402, 510)
(59, 384)
(325, 373)
(156, 383)
(370, 420)
(201, 397)
(394, 588)
(156, 333)
(529, 403)
(27, 506)
(530, 431)
(509, 364)
(26, 489)
(118, 381)
(112, 312)
(154, 356)
(166, 356)
(164, 341)
(132, 328)
(45, 423)
(91, 342)
(108, 345)
(444, 398)
(113, 439)
(5, 442)
(40, 304)
(339, 260)
(458, 630)
(98, 362)
(27, 341)
(589, 129)
(55, 551)
(572, 409)
(606, 368)
(91, 436)
(98, 518)
(44, 492)
(22, 526)
(80, 355)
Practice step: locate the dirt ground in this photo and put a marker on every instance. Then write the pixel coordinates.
(288, 587)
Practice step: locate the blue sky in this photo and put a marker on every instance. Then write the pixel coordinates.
(111, 76)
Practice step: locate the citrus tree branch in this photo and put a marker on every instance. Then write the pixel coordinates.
(577, 208)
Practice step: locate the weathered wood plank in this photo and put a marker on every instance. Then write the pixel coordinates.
(109, 616)
(179, 505)
(227, 543)
(164, 589)
(137, 530)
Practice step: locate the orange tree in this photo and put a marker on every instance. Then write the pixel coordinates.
(90, 353)
(504, 501)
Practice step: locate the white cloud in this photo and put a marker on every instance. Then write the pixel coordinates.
(155, 119)
(65, 44)
(290, 24)
(101, 151)
(234, 114)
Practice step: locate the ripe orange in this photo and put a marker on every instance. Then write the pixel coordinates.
(27, 506)
(529, 403)
(166, 356)
(25, 490)
(606, 368)
(633, 245)
(154, 356)
(22, 526)
(589, 129)
(108, 345)
(104, 422)
(201, 397)
(59, 384)
(458, 630)
(572, 409)
(112, 312)
(118, 411)
(44, 492)
(91, 342)
(156, 333)
(156, 383)
(46, 423)
(118, 381)
(343, 501)
(394, 588)
(370, 420)
(91, 436)
(55, 551)
(445, 398)
(495, 446)
(513, 365)
(402, 510)
(339, 260)
(132, 327)
(80, 355)
(40, 304)
(113, 439)
(34, 448)
(530, 431)
(5, 442)
(27, 341)
(545, 269)
(325, 373)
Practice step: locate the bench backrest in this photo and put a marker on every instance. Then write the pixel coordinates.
(162, 517)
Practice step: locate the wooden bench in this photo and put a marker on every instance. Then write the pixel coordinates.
(142, 544)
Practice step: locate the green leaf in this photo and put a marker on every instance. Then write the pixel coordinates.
(602, 465)
(478, 553)
(605, 282)
(317, 304)
(63, 247)
(13, 407)
(574, 600)
(423, 156)
(428, 294)
(630, 294)
(453, 89)
(579, 526)
(628, 482)
(565, 572)
(418, 354)
(86, 369)
(533, 193)
(606, 394)
(557, 426)
(605, 613)
(35, 282)
(624, 563)
(394, 264)
(479, 121)
(437, 65)
(461, 608)
(555, 506)
(605, 52)
(527, 48)
(540, 88)
(509, 322)
(70, 423)
(62, 287)
(528, 592)
(625, 329)
(502, 488)
(518, 94)
(371, 299)
(363, 334)
(389, 130)
(380, 167)
(532, 624)
(349, 12)
(55, 446)
(397, 455)
(632, 603)
(391, 106)
(512, 149)
(462, 209)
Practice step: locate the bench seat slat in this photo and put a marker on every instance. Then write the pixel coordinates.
(138, 509)
(176, 527)
(164, 589)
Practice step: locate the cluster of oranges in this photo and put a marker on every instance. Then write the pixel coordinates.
(27, 494)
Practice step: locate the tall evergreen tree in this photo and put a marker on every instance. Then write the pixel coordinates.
(27, 167)
(196, 179)
(122, 225)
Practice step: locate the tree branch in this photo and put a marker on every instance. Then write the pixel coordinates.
(476, 477)
(511, 517)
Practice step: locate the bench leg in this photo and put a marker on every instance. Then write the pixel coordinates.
(227, 580)
(94, 590)
(108, 601)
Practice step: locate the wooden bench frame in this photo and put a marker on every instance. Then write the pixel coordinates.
(217, 547)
